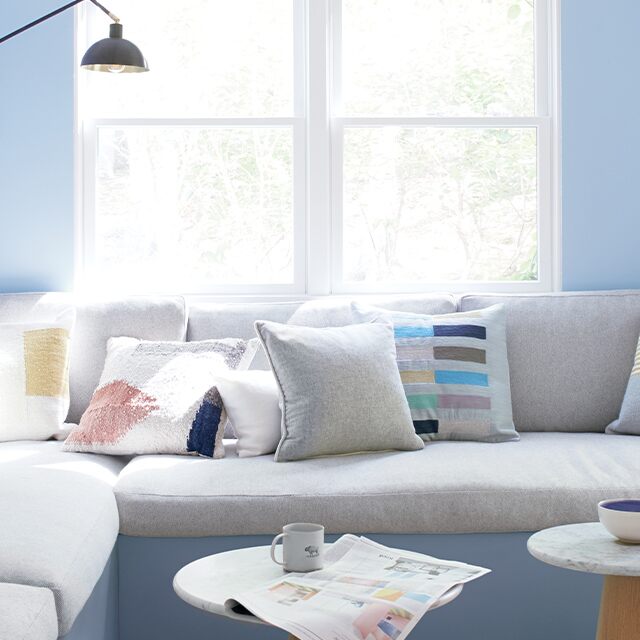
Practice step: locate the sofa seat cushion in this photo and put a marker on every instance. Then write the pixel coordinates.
(59, 523)
(27, 613)
(50, 455)
(546, 479)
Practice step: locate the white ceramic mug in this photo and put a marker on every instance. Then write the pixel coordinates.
(302, 547)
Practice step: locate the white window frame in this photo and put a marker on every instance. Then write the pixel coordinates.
(317, 128)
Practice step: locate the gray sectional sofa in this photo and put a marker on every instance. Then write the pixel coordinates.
(89, 543)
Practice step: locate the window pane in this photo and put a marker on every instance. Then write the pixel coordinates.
(208, 58)
(440, 204)
(182, 208)
(438, 57)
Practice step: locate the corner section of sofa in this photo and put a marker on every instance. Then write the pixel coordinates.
(61, 523)
(27, 613)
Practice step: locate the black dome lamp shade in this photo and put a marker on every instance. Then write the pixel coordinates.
(113, 54)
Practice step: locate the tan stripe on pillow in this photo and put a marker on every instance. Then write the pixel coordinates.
(46, 362)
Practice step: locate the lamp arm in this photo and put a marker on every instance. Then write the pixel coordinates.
(111, 15)
(73, 3)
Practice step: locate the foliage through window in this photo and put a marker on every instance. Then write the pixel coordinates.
(413, 150)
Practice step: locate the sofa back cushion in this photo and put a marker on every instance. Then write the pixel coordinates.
(336, 311)
(144, 317)
(570, 355)
(235, 319)
(214, 320)
(208, 321)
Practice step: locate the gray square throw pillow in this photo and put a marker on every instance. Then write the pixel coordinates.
(340, 390)
(628, 422)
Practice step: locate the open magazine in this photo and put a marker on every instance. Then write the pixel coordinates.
(365, 592)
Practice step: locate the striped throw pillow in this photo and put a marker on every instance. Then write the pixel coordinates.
(454, 370)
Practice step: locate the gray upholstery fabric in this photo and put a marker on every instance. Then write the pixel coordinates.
(235, 320)
(27, 613)
(59, 521)
(569, 356)
(340, 390)
(148, 318)
(545, 479)
(336, 311)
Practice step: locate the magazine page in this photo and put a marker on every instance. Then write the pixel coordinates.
(365, 592)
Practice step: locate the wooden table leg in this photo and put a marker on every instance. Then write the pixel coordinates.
(620, 609)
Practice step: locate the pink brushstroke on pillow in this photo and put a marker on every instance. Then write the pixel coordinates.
(113, 410)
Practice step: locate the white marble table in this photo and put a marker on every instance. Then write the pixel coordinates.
(207, 583)
(591, 548)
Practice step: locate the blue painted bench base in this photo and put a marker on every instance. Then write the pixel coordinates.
(523, 599)
(99, 618)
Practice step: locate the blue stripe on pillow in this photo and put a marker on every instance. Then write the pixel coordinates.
(413, 332)
(460, 330)
(462, 377)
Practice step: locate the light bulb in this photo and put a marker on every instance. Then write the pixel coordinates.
(115, 68)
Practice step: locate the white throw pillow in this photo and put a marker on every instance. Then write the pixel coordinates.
(251, 400)
(34, 378)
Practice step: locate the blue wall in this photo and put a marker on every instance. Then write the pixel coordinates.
(600, 43)
(36, 149)
(601, 138)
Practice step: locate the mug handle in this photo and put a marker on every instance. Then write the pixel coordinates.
(273, 548)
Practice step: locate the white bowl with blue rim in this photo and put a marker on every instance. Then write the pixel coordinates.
(621, 518)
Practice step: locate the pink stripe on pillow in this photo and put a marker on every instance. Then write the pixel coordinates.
(463, 402)
(114, 409)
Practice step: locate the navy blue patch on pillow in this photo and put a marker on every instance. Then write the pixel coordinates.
(425, 426)
(205, 425)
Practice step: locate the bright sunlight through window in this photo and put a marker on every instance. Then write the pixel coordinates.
(316, 146)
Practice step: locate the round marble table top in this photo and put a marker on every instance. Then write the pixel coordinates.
(208, 582)
(587, 547)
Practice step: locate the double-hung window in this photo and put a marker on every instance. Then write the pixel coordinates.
(316, 146)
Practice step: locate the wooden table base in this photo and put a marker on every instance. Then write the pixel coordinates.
(620, 609)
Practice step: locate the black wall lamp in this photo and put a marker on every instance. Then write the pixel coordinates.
(113, 54)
